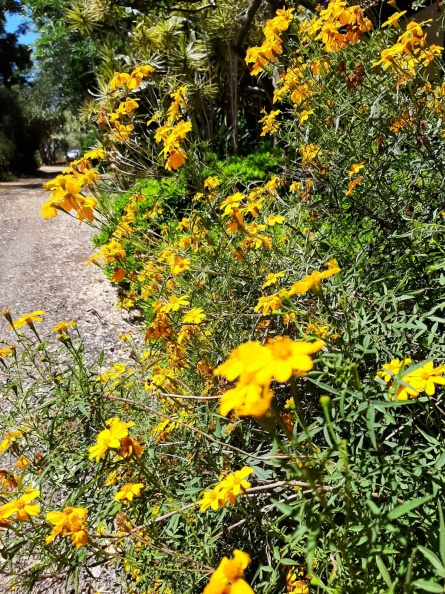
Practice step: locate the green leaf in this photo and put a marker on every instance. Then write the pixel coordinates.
(442, 534)
(384, 571)
(285, 509)
(433, 559)
(407, 507)
(428, 586)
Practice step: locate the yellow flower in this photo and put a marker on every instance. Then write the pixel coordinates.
(304, 115)
(394, 19)
(275, 220)
(22, 462)
(270, 125)
(95, 154)
(175, 303)
(246, 359)
(352, 184)
(109, 439)
(425, 378)
(194, 316)
(272, 279)
(179, 265)
(268, 304)
(130, 447)
(228, 577)
(247, 398)
(355, 168)
(256, 365)
(227, 490)
(391, 369)
(288, 357)
(295, 186)
(22, 507)
(119, 80)
(320, 331)
(7, 350)
(313, 281)
(10, 438)
(231, 203)
(309, 153)
(29, 319)
(70, 522)
(63, 326)
(129, 491)
(212, 182)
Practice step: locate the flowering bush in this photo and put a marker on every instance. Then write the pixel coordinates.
(292, 337)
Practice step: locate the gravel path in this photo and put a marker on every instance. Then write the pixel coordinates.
(42, 266)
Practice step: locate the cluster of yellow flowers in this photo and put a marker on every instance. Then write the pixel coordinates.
(130, 81)
(410, 51)
(71, 522)
(114, 438)
(270, 125)
(411, 384)
(174, 131)
(255, 366)
(237, 206)
(337, 25)
(312, 282)
(231, 487)
(271, 47)
(66, 191)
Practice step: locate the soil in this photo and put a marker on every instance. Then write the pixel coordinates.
(42, 266)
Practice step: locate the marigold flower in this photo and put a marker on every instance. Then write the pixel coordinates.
(272, 279)
(393, 20)
(352, 184)
(95, 154)
(355, 168)
(130, 447)
(268, 304)
(212, 182)
(129, 491)
(256, 366)
(7, 350)
(9, 439)
(312, 282)
(194, 316)
(391, 369)
(29, 319)
(227, 490)
(228, 577)
(270, 125)
(63, 326)
(425, 378)
(309, 153)
(175, 303)
(247, 399)
(288, 357)
(273, 220)
(109, 439)
(22, 507)
(70, 522)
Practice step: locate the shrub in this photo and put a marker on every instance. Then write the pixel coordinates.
(283, 426)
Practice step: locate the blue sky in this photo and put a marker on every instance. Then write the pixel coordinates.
(12, 22)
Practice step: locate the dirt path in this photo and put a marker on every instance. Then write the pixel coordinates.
(42, 266)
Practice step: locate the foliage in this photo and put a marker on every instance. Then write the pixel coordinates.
(282, 425)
